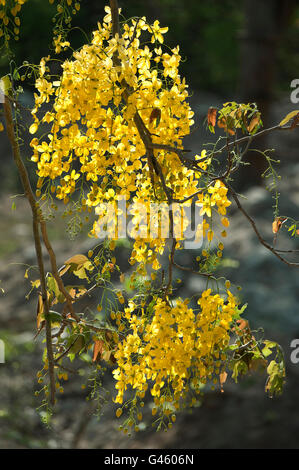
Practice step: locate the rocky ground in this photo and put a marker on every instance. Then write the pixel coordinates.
(242, 417)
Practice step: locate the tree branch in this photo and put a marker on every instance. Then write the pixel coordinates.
(38, 249)
(55, 272)
(253, 224)
(190, 270)
(251, 137)
(146, 138)
(115, 17)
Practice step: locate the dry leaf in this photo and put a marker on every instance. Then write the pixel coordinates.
(223, 123)
(277, 223)
(295, 121)
(40, 311)
(40, 321)
(222, 378)
(289, 117)
(254, 122)
(97, 349)
(77, 259)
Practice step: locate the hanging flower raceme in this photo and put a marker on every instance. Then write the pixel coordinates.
(93, 128)
(175, 343)
(93, 149)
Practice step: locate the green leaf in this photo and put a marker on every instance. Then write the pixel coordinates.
(276, 379)
(266, 351)
(16, 75)
(211, 129)
(78, 345)
(6, 85)
(289, 117)
(52, 285)
(54, 317)
(239, 368)
(71, 356)
(86, 357)
(269, 345)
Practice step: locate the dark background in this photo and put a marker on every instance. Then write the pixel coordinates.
(232, 50)
(211, 35)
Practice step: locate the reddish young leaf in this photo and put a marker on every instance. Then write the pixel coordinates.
(97, 349)
(254, 122)
(223, 123)
(211, 117)
(111, 267)
(277, 223)
(222, 378)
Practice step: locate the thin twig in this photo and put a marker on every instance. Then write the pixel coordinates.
(253, 224)
(65, 351)
(251, 137)
(133, 35)
(190, 270)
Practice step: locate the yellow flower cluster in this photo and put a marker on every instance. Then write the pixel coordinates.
(175, 347)
(90, 126)
(93, 141)
(92, 145)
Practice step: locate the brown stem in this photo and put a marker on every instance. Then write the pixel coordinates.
(66, 351)
(114, 16)
(55, 272)
(190, 270)
(146, 138)
(38, 249)
(144, 133)
(170, 267)
(251, 137)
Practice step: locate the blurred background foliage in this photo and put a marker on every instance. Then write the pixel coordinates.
(209, 33)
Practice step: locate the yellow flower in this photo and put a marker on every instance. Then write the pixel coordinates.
(158, 32)
(59, 44)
